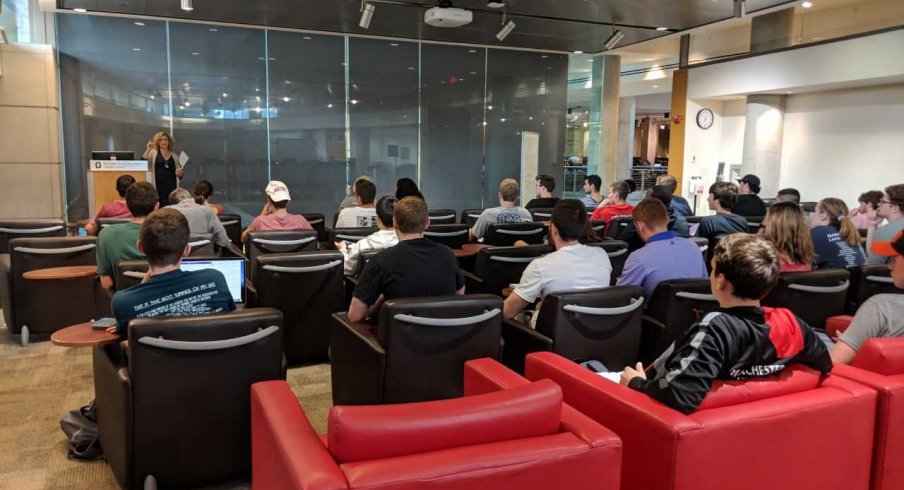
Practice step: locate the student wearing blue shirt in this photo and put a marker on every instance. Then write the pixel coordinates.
(167, 290)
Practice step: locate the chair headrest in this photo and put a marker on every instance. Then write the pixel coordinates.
(884, 356)
(792, 379)
(361, 433)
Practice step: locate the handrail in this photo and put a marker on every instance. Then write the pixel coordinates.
(695, 296)
(445, 216)
(230, 222)
(475, 216)
(315, 221)
(520, 232)
(352, 238)
(210, 344)
(617, 253)
(446, 233)
(544, 215)
(447, 322)
(300, 241)
(198, 243)
(513, 260)
(30, 231)
(820, 289)
(618, 310)
(598, 228)
(55, 251)
(880, 279)
(311, 268)
(134, 274)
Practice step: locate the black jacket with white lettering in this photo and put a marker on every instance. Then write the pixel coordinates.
(731, 344)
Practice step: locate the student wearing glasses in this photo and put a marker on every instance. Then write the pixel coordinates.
(889, 209)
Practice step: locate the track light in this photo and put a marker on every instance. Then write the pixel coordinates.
(505, 30)
(367, 13)
(740, 8)
(614, 39)
(188, 5)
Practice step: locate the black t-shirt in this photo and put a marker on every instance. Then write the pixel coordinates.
(413, 268)
(832, 252)
(749, 205)
(542, 202)
(721, 224)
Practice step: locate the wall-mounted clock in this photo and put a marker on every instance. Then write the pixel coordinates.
(705, 118)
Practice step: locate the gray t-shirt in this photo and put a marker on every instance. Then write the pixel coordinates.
(515, 214)
(202, 221)
(880, 316)
(884, 234)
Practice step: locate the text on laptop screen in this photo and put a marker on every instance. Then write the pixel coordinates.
(233, 270)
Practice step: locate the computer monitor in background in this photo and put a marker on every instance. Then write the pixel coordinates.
(232, 268)
(112, 155)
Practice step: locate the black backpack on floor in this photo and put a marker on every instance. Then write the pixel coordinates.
(80, 427)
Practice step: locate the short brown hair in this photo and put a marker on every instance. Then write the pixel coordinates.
(726, 193)
(749, 262)
(669, 181)
(651, 212)
(410, 214)
(141, 197)
(509, 190)
(621, 188)
(896, 195)
(547, 181)
(366, 190)
(164, 236)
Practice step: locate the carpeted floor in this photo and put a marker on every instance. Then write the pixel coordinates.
(41, 382)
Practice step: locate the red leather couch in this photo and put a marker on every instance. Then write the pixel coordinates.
(793, 432)
(505, 433)
(879, 364)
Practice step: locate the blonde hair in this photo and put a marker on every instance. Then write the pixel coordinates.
(837, 211)
(159, 136)
(789, 232)
(509, 190)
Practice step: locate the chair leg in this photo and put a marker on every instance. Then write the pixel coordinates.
(150, 483)
(23, 338)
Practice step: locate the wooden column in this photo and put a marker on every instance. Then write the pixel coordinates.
(679, 126)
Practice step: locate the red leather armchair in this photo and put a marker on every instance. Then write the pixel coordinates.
(880, 365)
(508, 434)
(791, 433)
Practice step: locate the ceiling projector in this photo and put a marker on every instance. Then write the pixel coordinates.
(448, 17)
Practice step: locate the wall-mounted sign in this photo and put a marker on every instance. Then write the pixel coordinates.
(118, 165)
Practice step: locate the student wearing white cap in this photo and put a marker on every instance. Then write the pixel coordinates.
(275, 216)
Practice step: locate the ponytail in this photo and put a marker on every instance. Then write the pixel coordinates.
(838, 219)
(848, 231)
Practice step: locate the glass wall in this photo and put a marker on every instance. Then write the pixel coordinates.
(250, 104)
(15, 20)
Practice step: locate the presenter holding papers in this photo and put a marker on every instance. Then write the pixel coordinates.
(167, 170)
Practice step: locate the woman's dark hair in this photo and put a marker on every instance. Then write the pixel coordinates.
(203, 190)
(406, 187)
(385, 205)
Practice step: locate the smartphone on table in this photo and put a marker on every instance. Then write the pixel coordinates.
(103, 323)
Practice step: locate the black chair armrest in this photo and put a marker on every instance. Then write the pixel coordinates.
(102, 299)
(473, 284)
(520, 340)
(113, 399)
(358, 363)
(251, 296)
(231, 250)
(6, 293)
(651, 335)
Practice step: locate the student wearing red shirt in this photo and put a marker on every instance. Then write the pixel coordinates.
(614, 206)
(115, 209)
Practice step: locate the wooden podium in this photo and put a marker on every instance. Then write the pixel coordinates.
(102, 175)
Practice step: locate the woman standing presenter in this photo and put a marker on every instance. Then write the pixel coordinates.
(159, 153)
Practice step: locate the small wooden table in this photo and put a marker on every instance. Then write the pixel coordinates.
(474, 246)
(460, 252)
(82, 335)
(68, 272)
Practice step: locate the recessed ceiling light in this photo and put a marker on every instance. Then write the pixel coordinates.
(393, 44)
(81, 11)
(655, 86)
(139, 24)
(286, 99)
(662, 28)
(354, 101)
(187, 5)
(806, 5)
(306, 38)
(578, 51)
(213, 29)
(196, 54)
(225, 94)
(472, 50)
(188, 104)
(329, 106)
(544, 56)
(136, 49)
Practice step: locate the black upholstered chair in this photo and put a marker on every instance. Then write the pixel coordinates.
(671, 310)
(809, 206)
(232, 223)
(129, 273)
(201, 245)
(105, 222)
(703, 245)
(599, 228)
(497, 267)
(178, 413)
(272, 242)
(307, 287)
(867, 281)
(351, 235)
(506, 234)
(753, 223)
(812, 296)
(617, 251)
(599, 324)
(541, 214)
(442, 216)
(618, 227)
(34, 309)
(469, 216)
(10, 229)
(418, 352)
(318, 222)
(452, 235)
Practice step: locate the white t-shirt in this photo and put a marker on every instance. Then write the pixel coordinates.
(357, 217)
(570, 268)
(376, 241)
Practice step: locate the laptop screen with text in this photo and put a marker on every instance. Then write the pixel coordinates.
(233, 270)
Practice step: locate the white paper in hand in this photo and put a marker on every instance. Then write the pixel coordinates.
(615, 377)
(183, 159)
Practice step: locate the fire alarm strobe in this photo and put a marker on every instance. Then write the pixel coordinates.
(445, 15)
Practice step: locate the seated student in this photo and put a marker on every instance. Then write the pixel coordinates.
(836, 241)
(785, 225)
(384, 238)
(364, 215)
(507, 212)
(592, 186)
(880, 315)
(891, 208)
(614, 206)
(722, 197)
(678, 204)
(166, 290)
(869, 200)
(788, 195)
(203, 191)
(748, 203)
(351, 199)
(634, 195)
(202, 220)
(416, 267)
(406, 187)
(677, 221)
(275, 215)
(115, 209)
(665, 255)
(544, 187)
(740, 340)
(572, 266)
(116, 243)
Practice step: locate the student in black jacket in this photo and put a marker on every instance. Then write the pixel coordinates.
(740, 340)
(749, 203)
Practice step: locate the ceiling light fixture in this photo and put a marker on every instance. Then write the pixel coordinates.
(367, 14)
(81, 11)
(806, 5)
(187, 5)
(662, 28)
(740, 8)
(507, 27)
(495, 5)
(578, 51)
(614, 39)
(139, 24)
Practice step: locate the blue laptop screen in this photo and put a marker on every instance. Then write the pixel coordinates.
(232, 269)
